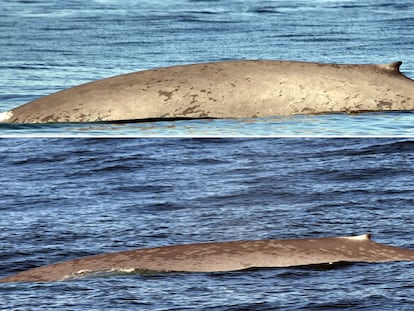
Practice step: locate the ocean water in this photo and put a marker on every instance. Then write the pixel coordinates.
(47, 46)
(65, 198)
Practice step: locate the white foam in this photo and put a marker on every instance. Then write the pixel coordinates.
(125, 270)
(4, 116)
(87, 272)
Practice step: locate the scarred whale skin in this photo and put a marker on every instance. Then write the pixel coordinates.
(222, 256)
(231, 89)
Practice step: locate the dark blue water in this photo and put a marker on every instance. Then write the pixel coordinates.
(65, 198)
(47, 46)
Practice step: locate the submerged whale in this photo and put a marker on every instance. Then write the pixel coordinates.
(231, 89)
(222, 256)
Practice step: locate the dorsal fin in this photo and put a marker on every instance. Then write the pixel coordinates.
(362, 237)
(395, 67)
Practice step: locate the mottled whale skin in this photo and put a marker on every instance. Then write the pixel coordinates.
(222, 256)
(231, 89)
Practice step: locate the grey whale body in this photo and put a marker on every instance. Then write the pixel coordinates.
(230, 89)
(222, 256)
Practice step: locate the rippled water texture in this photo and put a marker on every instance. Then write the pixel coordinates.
(65, 198)
(51, 45)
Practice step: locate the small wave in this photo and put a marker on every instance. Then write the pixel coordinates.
(385, 147)
(266, 10)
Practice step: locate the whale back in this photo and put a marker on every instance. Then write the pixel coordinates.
(222, 256)
(232, 89)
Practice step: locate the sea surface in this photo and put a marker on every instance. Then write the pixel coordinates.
(51, 45)
(65, 198)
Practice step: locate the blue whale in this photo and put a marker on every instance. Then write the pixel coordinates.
(222, 256)
(231, 89)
